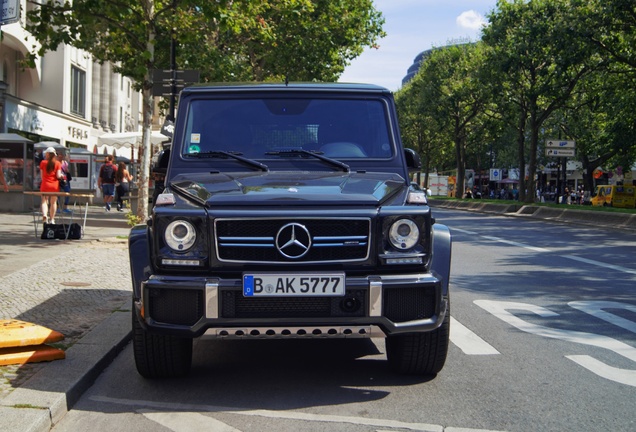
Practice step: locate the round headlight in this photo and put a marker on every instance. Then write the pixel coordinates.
(404, 234)
(180, 235)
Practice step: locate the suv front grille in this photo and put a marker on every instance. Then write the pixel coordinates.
(255, 240)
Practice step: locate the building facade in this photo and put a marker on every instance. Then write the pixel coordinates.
(67, 98)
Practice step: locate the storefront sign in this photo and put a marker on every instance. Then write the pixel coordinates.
(77, 133)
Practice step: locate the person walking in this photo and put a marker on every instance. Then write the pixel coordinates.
(5, 186)
(65, 185)
(51, 172)
(122, 183)
(106, 181)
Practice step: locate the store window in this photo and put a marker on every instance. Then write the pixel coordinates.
(78, 91)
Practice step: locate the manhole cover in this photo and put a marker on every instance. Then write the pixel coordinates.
(76, 284)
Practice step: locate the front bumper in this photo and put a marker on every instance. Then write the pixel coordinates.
(373, 306)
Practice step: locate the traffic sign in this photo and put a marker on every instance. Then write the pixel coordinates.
(554, 143)
(559, 152)
(163, 80)
(181, 76)
(10, 12)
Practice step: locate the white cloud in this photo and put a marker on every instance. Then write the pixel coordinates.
(471, 20)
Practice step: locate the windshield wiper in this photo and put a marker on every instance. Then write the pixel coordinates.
(225, 155)
(292, 152)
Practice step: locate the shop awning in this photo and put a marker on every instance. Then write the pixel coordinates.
(129, 139)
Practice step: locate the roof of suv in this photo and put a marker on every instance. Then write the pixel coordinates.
(295, 86)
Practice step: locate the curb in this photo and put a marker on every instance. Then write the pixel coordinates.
(598, 219)
(44, 399)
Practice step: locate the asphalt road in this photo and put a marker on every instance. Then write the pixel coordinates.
(543, 339)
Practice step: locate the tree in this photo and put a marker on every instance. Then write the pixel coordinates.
(602, 120)
(313, 40)
(226, 40)
(419, 130)
(609, 27)
(541, 60)
(452, 97)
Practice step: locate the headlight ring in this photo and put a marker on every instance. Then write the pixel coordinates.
(404, 234)
(180, 235)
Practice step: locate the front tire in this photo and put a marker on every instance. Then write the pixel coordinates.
(160, 356)
(419, 353)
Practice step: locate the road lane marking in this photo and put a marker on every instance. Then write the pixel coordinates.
(188, 409)
(539, 249)
(513, 243)
(187, 421)
(623, 376)
(469, 342)
(464, 231)
(595, 308)
(600, 264)
(500, 310)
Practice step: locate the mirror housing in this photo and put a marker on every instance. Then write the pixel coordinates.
(413, 161)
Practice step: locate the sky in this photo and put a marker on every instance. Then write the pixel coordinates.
(413, 26)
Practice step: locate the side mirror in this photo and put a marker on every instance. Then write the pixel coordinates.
(413, 162)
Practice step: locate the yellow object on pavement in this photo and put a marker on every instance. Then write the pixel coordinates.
(30, 354)
(23, 342)
(14, 333)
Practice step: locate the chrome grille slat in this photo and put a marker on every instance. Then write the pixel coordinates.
(244, 240)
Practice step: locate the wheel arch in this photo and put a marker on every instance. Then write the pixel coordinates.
(441, 255)
(139, 256)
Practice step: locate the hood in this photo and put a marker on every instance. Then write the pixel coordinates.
(285, 188)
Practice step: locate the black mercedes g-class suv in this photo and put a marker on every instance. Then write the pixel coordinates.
(288, 212)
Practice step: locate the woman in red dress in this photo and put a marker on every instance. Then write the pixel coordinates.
(51, 171)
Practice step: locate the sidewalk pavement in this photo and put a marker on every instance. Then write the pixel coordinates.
(80, 288)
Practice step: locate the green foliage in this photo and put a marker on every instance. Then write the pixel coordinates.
(133, 219)
(544, 68)
(299, 39)
(440, 107)
(225, 40)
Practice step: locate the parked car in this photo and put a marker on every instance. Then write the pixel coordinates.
(288, 213)
(615, 196)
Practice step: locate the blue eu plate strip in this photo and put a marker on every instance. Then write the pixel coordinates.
(248, 285)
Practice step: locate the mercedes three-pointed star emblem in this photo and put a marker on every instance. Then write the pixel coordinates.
(293, 240)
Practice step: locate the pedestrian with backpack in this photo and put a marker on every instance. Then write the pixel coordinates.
(106, 181)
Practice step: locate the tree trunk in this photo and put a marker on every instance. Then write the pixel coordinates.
(461, 167)
(532, 165)
(521, 148)
(147, 112)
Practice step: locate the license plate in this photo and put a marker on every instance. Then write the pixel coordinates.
(293, 285)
